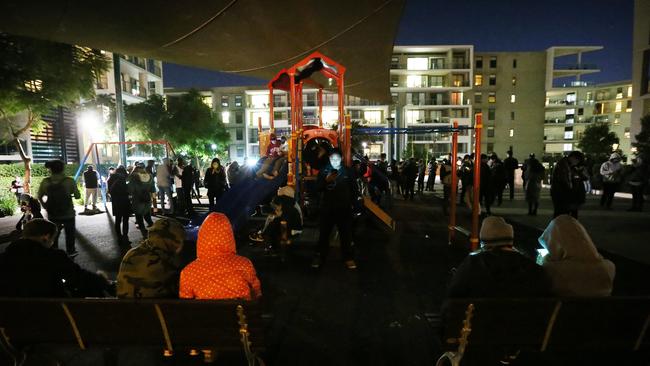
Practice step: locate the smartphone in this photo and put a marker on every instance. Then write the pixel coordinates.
(541, 253)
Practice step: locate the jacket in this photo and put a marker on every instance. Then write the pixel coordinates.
(573, 263)
(337, 195)
(119, 192)
(153, 268)
(70, 188)
(28, 269)
(215, 180)
(218, 272)
(611, 171)
(140, 187)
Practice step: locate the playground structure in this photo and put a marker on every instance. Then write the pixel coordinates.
(93, 152)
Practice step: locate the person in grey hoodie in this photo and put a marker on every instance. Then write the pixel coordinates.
(573, 263)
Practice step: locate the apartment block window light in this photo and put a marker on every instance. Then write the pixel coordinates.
(478, 98)
(629, 91)
(224, 100)
(479, 62)
(478, 80)
(491, 114)
(394, 62)
(514, 63)
(493, 80)
(513, 98)
(628, 106)
(627, 133)
(619, 93)
(225, 117)
(514, 81)
(493, 62)
(617, 119)
(490, 131)
(417, 63)
(567, 147)
(238, 100)
(512, 115)
(512, 132)
(207, 100)
(619, 107)
(492, 97)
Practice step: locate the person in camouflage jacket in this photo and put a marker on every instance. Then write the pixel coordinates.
(152, 269)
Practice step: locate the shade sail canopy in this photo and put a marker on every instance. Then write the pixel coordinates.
(248, 37)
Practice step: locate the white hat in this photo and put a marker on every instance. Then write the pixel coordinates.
(495, 231)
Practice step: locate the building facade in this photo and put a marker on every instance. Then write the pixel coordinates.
(640, 65)
(430, 86)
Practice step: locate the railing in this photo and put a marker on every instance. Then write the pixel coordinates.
(575, 67)
(137, 61)
(153, 68)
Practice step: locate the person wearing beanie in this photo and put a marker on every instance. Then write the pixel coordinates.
(153, 268)
(573, 263)
(285, 209)
(498, 269)
(611, 172)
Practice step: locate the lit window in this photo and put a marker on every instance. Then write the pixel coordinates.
(207, 100)
(492, 97)
(371, 116)
(413, 116)
(570, 98)
(34, 85)
(628, 107)
(568, 135)
(513, 98)
(414, 81)
(255, 118)
(629, 91)
(259, 100)
(627, 133)
(238, 100)
(225, 117)
(417, 63)
(514, 80)
(619, 93)
(478, 80)
(493, 80)
(570, 111)
(512, 132)
(224, 100)
(567, 147)
(619, 107)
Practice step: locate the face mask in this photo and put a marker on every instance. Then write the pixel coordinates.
(335, 161)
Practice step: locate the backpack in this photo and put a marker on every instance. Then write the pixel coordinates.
(58, 202)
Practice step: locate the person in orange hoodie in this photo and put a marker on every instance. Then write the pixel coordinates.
(218, 272)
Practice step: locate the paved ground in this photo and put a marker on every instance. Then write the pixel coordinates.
(383, 313)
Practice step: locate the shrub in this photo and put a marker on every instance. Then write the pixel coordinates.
(8, 203)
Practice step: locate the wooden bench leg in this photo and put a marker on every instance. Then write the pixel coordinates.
(17, 356)
(251, 357)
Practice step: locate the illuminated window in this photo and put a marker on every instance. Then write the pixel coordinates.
(513, 98)
(493, 80)
(619, 93)
(571, 98)
(224, 100)
(628, 107)
(413, 116)
(259, 100)
(417, 63)
(567, 147)
(238, 100)
(478, 98)
(568, 135)
(207, 100)
(512, 132)
(629, 91)
(415, 81)
(372, 116)
(255, 117)
(619, 107)
(627, 133)
(514, 80)
(225, 117)
(490, 131)
(492, 97)
(34, 85)
(478, 80)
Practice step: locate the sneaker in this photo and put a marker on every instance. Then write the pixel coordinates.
(316, 263)
(351, 264)
(256, 237)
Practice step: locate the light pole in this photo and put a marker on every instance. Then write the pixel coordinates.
(119, 107)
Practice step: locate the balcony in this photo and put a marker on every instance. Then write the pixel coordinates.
(137, 61)
(153, 68)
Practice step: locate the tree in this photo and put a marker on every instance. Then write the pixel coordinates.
(598, 140)
(642, 143)
(188, 123)
(36, 77)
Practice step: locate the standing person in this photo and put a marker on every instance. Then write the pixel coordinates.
(422, 170)
(215, 181)
(533, 188)
(467, 181)
(566, 185)
(335, 181)
(410, 175)
(382, 164)
(151, 170)
(637, 181)
(431, 181)
(394, 178)
(487, 185)
(140, 187)
(177, 172)
(119, 192)
(524, 166)
(91, 182)
(499, 177)
(55, 193)
(164, 181)
(196, 191)
(17, 188)
(445, 178)
(611, 172)
(187, 180)
(511, 165)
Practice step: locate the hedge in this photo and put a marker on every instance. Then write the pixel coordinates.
(38, 170)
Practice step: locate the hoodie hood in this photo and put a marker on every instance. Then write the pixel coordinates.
(215, 237)
(166, 234)
(566, 238)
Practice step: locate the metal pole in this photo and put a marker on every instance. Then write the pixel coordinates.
(271, 115)
(348, 141)
(341, 90)
(320, 107)
(454, 184)
(478, 126)
(119, 107)
(291, 180)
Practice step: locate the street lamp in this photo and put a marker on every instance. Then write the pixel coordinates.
(213, 147)
(89, 122)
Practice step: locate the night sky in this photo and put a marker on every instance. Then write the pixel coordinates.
(496, 25)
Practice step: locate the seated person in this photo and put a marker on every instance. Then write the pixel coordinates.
(272, 153)
(153, 268)
(498, 270)
(31, 267)
(218, 272)
(285, 209)
(573, 263)
(31, 209)
(283, 156)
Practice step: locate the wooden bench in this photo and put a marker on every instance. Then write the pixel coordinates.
(541, 327)
(171, 325)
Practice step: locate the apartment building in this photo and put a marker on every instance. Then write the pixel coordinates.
(640, 65)
(509, 90)
(570, 110)
(429, 85)
(242, 108)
